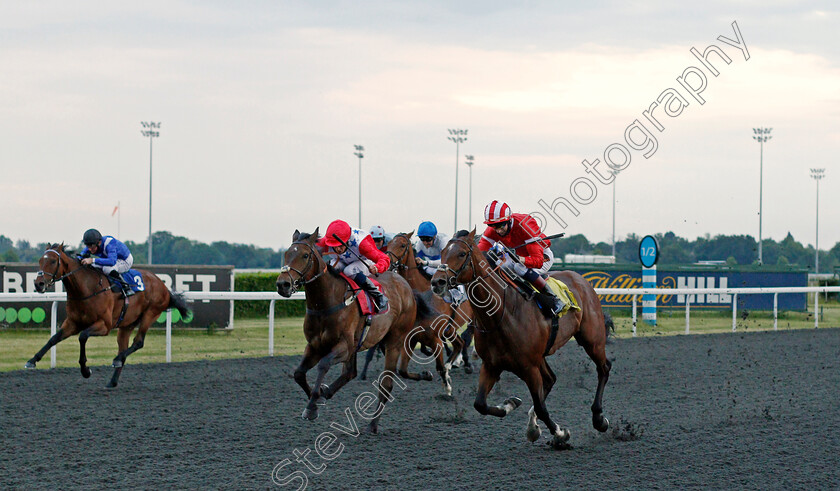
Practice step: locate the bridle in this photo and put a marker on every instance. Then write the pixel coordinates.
(452, 281)
(54, 277)
(301, 279)
(398, 263)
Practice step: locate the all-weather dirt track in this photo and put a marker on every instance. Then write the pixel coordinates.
(757, 410)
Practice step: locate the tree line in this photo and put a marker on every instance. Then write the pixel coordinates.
(734, 249)
(166, 249)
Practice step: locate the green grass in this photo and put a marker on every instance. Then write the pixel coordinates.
(247, 340)
(250, 337)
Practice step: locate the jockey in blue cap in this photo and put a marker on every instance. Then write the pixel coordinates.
(428, 247)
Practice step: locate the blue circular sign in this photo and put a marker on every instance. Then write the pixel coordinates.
(648, 251)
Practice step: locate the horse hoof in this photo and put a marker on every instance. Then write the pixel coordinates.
(111, 385)
(426, 375)
(310, 414)
(29, 364)
(373, 428)
(513, 401)
(468, 369)
(600, 422)
(560, 440)
(85, 372)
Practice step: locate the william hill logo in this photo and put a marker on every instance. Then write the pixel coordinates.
(604, 279)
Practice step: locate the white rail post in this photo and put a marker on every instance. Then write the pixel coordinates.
(687, 304)
(775, 311)
(53, 330)
(168, 335)
(271, 328)
(816, 312)
(634, 316)
(734, 310)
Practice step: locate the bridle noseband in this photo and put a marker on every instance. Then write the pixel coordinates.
(398, 263)
(452, 281)
(301, 279)
(54, 277)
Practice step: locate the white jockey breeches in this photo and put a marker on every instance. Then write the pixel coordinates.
(351, 269)
(520, 269)
(121, 266)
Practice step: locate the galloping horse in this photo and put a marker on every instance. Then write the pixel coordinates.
(402, 260)
(334, 332)
(512, 335)
(94, 309)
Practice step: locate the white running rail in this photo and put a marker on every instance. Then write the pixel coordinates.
(272, 297)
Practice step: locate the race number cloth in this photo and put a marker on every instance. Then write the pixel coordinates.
(135, 279)
(365, 302)
(563, 293)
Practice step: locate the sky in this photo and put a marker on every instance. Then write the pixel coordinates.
(262, 102)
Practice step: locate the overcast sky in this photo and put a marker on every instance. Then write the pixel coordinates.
(261, 103)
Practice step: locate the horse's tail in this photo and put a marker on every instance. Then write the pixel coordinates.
(425, 309)
(609, 326)
(176, 299)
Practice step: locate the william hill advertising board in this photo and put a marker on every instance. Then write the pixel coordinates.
(628, 276)
(20, 278)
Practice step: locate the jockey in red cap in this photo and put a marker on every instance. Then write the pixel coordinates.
(521, 233)
(356, 256)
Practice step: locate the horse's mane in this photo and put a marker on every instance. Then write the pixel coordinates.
(461, 233)
(303, 236)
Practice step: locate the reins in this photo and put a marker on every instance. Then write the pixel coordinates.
(399, 263)
(55, 278)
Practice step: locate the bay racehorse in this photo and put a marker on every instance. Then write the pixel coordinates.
(440, 329)
(94, 308)
(335, 328)
(511, 334)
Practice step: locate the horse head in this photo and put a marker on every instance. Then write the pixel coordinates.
(401, 251)
(302, 263)
(456, 264)
(54, 265)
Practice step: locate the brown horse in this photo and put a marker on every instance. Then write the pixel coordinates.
(441, 329)
(512, 334)
(94, 309)
(334, 326)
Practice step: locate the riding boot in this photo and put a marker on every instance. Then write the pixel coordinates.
(126, 288)
(380, 300)
(542, 285)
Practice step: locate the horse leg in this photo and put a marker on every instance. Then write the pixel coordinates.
(122, 347)
(602, 365)
(450, 334)
(537, 384)
(487, 378)
(456, 358)
(139, 342)
(311, 410)
(59, 336)
(309, 360)
(443, 370)
(97, 329)
(369, 354)
(405, 357)
(467, 336)
(348, 373)
(386, 383)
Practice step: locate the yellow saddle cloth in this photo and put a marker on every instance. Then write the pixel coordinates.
(563, 293)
